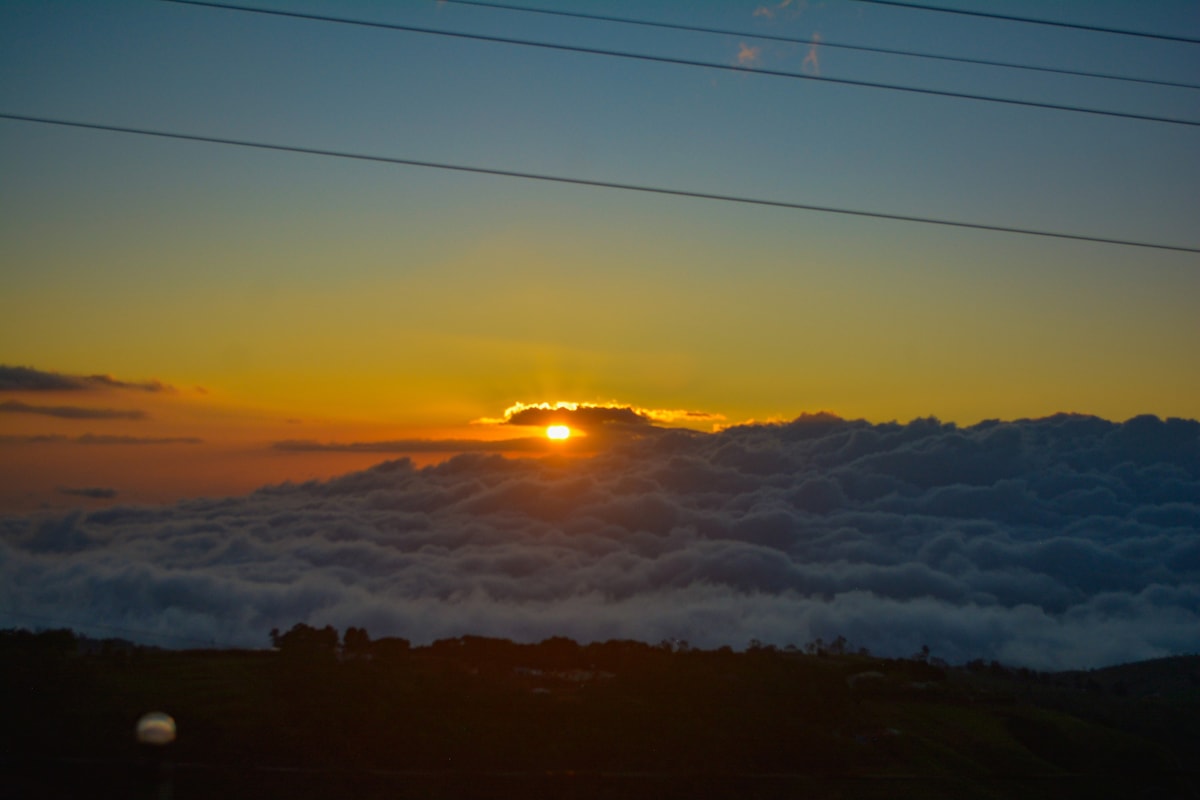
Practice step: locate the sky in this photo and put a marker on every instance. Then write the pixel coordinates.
(182, 319)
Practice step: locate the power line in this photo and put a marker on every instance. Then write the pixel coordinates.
(689, 62)
(1031, 20)
(822, 43)
(630, 187)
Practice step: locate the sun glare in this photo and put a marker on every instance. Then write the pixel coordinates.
(558, 431)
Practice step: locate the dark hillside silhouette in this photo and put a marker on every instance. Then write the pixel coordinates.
(606, 719)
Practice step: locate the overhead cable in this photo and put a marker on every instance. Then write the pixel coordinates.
(688, 62)
(822, 43)
(630, 187)
(1166, 37)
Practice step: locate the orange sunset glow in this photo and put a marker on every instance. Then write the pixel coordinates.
(744, 320)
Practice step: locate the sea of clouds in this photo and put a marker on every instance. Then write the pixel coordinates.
(1063, 542)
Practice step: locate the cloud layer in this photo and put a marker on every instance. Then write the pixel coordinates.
(1064, 542)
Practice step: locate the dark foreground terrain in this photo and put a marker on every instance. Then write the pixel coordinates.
(474, 717)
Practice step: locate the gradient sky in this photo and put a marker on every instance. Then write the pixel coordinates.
(287, 296)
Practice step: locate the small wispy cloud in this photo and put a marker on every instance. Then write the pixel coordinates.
(399, 446)
(91, 492)
(769, 12)
(70, 412)
(28, 379)
(96, 439)
(669, 415)
(812, 61)
(90, 438)
(748, 56)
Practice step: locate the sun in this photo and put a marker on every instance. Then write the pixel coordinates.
(558, 431)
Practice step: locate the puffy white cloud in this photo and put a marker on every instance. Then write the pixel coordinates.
(1063, 542)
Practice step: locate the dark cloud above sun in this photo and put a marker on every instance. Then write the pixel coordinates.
(544, 423)
(593, 417)
(578, 416)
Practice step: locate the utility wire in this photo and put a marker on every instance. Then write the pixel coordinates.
(1031, 20)
(630, 187)
(821, 43)
(688, 62)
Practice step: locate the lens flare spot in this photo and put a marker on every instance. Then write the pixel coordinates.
(156, 728)
(558, 432)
